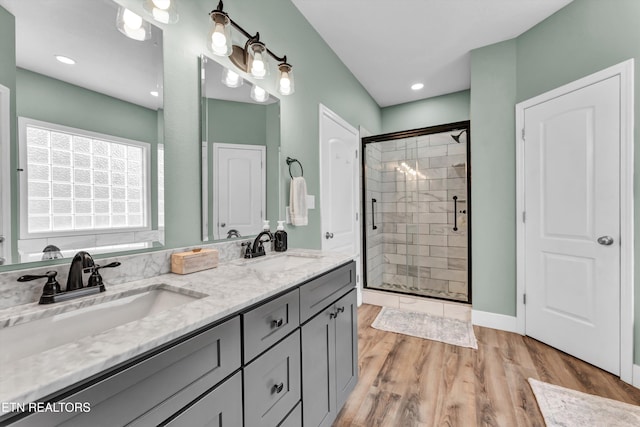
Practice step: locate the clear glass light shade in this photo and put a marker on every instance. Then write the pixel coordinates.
(163, 11)
(220, 34)
(132, 25)
(258, 60)
(231, 79)
(258, 94)
(285, 80)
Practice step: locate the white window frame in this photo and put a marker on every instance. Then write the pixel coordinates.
(23, 122)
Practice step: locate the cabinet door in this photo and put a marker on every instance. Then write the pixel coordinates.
(272, 384)
(318, 370)
(219, 408)
(346, 323)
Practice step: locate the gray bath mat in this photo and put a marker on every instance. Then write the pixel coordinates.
(427, 326)
(567, 408)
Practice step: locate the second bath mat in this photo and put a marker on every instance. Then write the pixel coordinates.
(427, 326)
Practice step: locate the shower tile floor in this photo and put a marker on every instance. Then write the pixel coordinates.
(454, 296)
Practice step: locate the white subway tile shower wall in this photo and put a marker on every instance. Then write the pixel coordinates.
(415, 248)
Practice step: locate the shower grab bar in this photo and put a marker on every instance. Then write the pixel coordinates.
(455, 213)
(373, 214)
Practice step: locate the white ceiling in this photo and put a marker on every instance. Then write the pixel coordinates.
(106, 61)
(389, 45)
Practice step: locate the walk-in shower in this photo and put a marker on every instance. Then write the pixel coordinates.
(417, 206)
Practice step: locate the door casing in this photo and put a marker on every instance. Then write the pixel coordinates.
(626, 72)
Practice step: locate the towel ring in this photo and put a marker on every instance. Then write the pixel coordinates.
(291, 160)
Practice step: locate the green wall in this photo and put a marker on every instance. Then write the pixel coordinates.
(8, 79)
(493, 196)
(44, 98)
(450, 108)
(580, 39)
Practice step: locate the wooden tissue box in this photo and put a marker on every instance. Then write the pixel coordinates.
(194, 260)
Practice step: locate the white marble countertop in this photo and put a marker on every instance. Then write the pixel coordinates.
(229, 289)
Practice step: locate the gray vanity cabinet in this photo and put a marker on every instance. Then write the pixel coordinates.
(221, 407)
(329, 361)
(272, 384)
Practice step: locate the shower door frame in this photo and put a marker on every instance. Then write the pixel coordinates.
(448, 127)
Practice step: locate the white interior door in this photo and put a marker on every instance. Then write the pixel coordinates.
(572, 226)
(339, 182)
(5, 199)
(239, 189)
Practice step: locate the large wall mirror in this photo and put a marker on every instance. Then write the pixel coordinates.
(83, 169)
(240, 154)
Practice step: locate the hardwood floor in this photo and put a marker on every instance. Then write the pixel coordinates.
(406, 381)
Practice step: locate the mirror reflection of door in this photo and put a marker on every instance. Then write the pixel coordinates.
(5, 201)
(239, 189)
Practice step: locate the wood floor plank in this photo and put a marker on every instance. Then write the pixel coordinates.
(410, 382)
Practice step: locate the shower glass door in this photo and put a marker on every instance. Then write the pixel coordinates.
(416, 205)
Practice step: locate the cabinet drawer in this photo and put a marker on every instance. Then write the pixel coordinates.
(294, 419)
(324, 290)
(272, 384)
(269, 323)
(154, 389)
(219, 408)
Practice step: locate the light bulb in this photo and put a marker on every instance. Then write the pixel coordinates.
(162, 4)
(154, 93)
(131, 20)
(257, 66)
(219, 39)
(258, 94)
(231, 78)
(160, 15)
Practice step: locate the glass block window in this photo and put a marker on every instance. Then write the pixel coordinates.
(82, 181)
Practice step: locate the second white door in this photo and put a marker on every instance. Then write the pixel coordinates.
(239, 189)
(572, 226)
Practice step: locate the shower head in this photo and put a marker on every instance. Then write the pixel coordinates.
(456, 138)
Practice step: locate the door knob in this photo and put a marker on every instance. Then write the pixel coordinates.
(224, 224)
(2, 260)
(605, 240)
(328, 235)
(1, 239)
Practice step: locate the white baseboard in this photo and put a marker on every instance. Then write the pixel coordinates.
(636, 376)
(494, 321)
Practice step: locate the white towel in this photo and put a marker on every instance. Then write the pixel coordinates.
(298, 201)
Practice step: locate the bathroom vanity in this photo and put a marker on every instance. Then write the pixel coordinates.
(259, 339)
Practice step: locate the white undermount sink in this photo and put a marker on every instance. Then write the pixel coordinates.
(108, 311)
(274, 264)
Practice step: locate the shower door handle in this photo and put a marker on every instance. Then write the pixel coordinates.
(455, 213)
(373, 214)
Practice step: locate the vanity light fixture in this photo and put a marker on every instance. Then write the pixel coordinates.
(154, 93)
(65, 60)
(417, 86)
(163, 11)
(132, 25)
(258, 94)
(253, 58)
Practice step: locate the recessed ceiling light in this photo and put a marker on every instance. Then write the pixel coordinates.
(65, 60)
(154, 93)
(417, 86)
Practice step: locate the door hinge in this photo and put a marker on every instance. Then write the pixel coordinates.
(524, 299)
(523, 134)
(356, 216)
(356, 154)
(524, 216)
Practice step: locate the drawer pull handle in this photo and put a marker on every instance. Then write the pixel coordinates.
(277, 323)
(340, 310)
(332, 315)
(277, 388)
